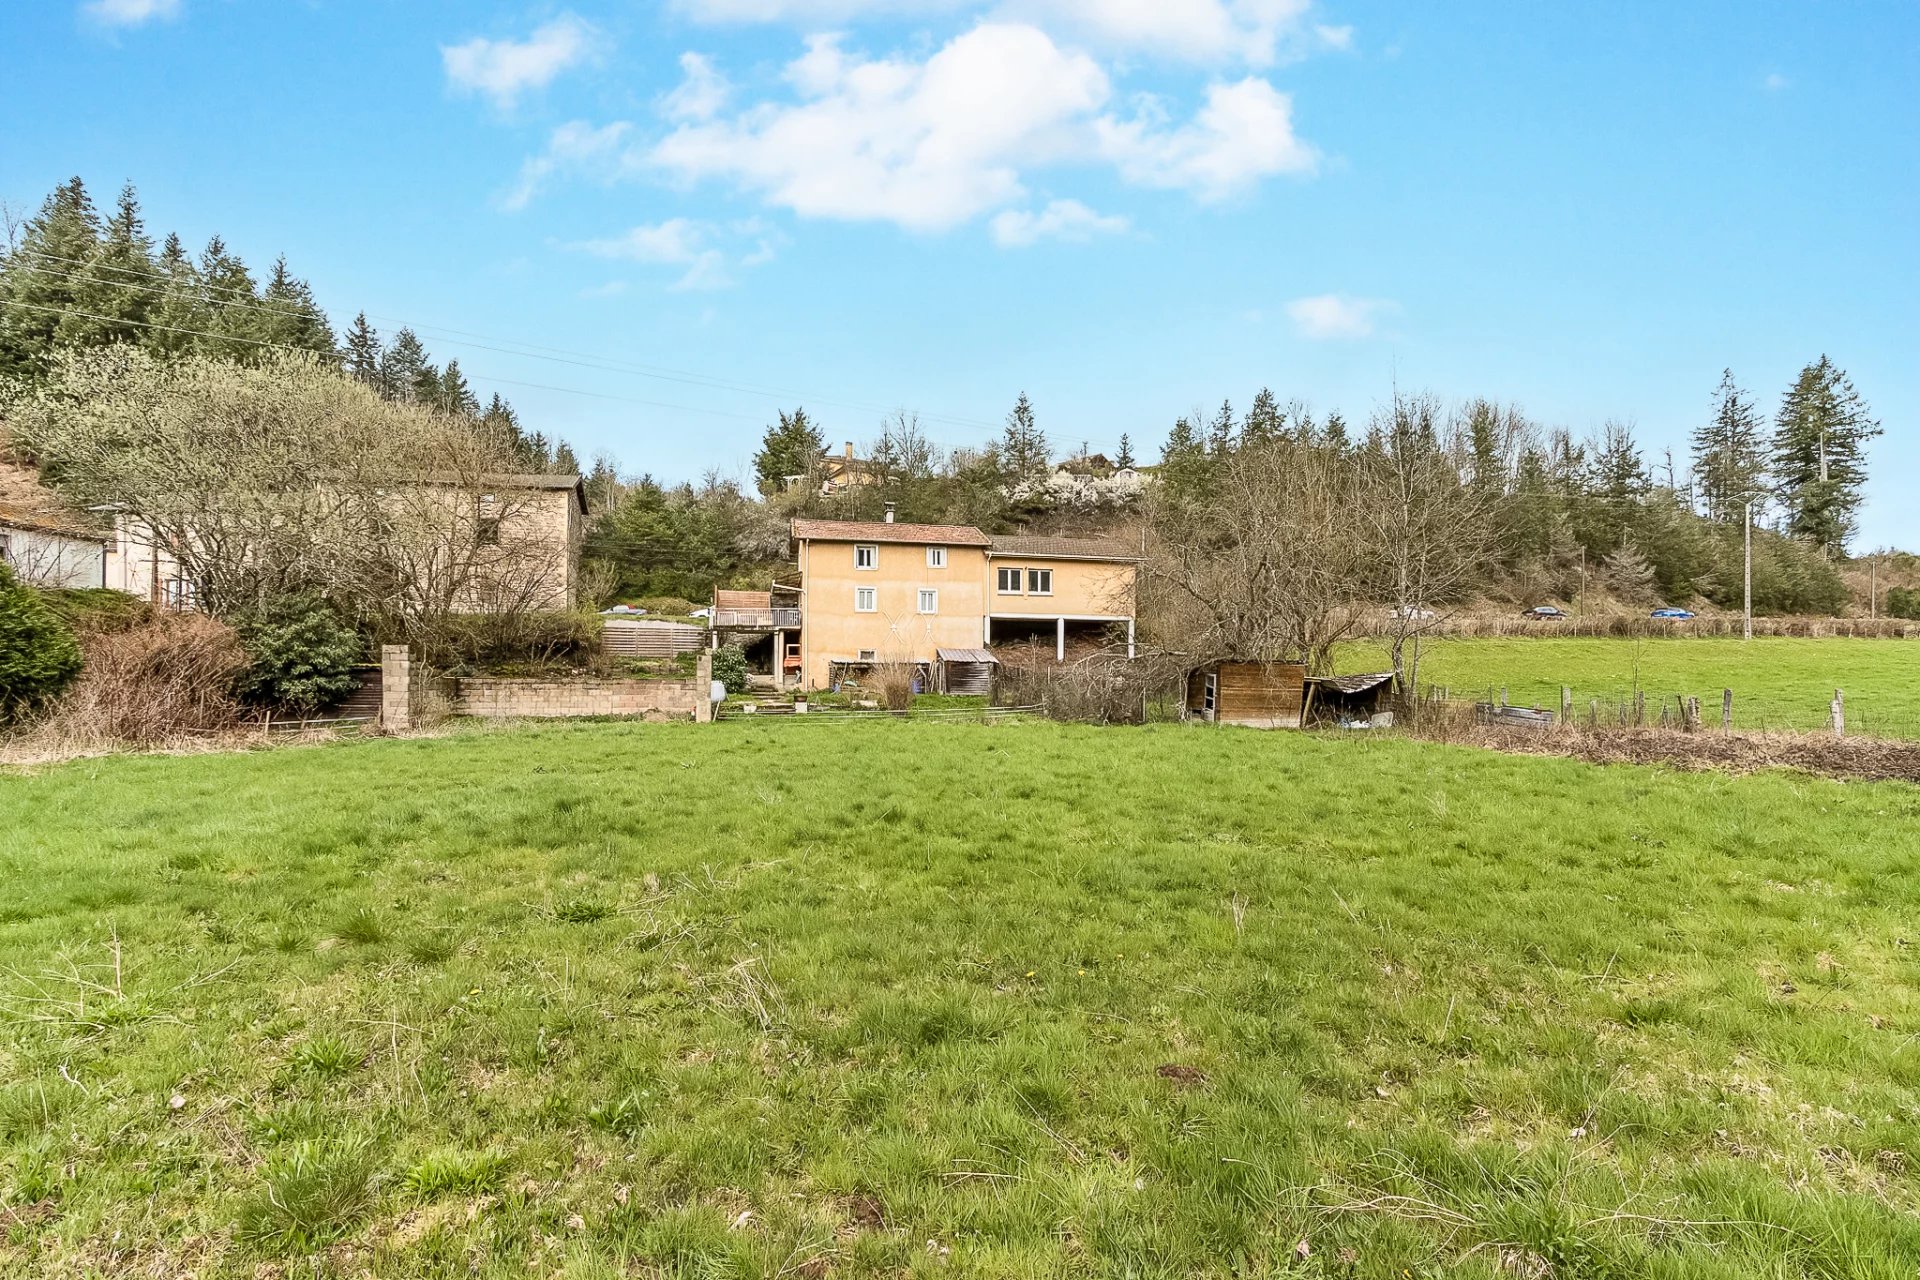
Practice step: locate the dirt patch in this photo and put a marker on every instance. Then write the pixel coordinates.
(1868, 759)
(1189, 1077)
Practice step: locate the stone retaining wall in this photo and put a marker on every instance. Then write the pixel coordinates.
(650, 699)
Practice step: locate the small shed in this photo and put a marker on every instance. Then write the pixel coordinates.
(1261, 695)
(968, 671)
(1361, 700)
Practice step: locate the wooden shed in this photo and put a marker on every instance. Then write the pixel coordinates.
(968, 671)
(1261, 695)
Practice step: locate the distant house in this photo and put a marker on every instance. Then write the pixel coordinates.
(942, 597)
(838, 473)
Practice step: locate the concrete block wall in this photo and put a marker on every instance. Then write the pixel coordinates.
(396, 688)
(545, 699)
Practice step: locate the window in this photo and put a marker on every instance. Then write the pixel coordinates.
(1210, 696)
(865, 600)
(1039, 582)
(929, 600)
(868, 655)
(486, 524)
(866, 555)
(936, 557)
(1009, 582)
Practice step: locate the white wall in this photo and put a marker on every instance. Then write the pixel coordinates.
(53, 560)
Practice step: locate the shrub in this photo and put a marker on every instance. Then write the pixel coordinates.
(301, 654)
(1903, 602)
(491, 642)
(730, 668)
(171, 676)
(894, 682)
(39, 656)
(94, 611)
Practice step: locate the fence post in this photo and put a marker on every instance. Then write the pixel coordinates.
(1593, 713)
(1691, 715)
(703, 685)
(1839, 713)
(1639, 708)
(1566, 705)
(1726, 709)
(1503, 695)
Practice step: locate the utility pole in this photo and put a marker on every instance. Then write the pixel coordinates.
(1746, 603)
(1873, 586)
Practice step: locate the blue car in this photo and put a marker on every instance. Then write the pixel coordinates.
(1678, 615)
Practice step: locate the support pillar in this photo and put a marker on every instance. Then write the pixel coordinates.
(702, 691)
(396, 688)
(1130, 652)
(1059, 639)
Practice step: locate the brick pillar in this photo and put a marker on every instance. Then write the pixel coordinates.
(396, 688)
(703, 686)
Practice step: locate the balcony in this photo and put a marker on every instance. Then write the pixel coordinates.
(775, 619)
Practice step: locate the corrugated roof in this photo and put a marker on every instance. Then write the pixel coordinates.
(1353, 684)
(760, 601)
(1063, 548)
(952, 535)
(965, 655)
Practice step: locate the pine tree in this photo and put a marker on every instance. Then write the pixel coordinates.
(1729, 455)
(180, 313)
(1336, 432)
(454, 395)
(39, 278)
(1629, 573)
(364, 352)
(1819, 456)
(1123, 458)
(1615, 484)
(565, 462)
(233, 301)
(1220, 433)
(114, 298)
(405, 371)
(1024, 453)
(292, 317)
(790, 447)
(1487, 448)
(1184, 466)
(1265, 421)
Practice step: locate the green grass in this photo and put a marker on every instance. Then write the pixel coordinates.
(893, 998)
(1777, 682)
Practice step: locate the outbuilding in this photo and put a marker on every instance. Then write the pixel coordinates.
(1261, 695)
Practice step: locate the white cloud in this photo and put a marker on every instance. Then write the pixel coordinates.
(1334, 37)
(572, 147)
(924, 144)
(1334, 315)
(686, 244)
(1776, 82)
(1257, 32)
(129, 13)
(504, 69)
(1060, 220)
(702, 91)
(1242, 134)
(929, 144)
(611, 289)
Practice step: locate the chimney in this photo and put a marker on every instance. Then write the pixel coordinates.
(889, 516)
(849, 451)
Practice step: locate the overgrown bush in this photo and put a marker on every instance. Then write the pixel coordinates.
(39, 656)
(96, 610)
(730, 668)
(153, 683)
(491, 642)
(1903, 603)
(893, 681)
(301, 654)
(1100, 689)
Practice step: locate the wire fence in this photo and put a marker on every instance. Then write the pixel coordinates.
(1724, 708)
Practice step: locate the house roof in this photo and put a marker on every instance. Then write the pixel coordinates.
(952, 535)
(760, 601)
(25, 503)
(1062, 548)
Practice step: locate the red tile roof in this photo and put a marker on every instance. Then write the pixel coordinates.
(951, 535)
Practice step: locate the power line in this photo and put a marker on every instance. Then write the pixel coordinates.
(281, 346)
(516, 347)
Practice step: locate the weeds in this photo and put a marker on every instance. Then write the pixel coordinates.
(311, 1194)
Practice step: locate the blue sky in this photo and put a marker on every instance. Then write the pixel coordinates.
(1126, 208)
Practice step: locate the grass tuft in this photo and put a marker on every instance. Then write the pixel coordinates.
(441, 1173)
(364, 926)
(311, 1195)
(326, 1056)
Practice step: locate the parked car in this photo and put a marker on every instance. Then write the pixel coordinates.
(1411, 611)
(1678, 615)
(1545, 613)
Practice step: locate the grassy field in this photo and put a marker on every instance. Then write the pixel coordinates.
(1777, 683)
(882, 999)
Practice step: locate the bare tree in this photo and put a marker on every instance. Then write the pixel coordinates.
(1428, 531)
(285, 477)
(1265, 563)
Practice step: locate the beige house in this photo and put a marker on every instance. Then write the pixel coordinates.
(942, 596)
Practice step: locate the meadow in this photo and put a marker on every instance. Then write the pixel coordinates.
(892, 998)
(1778, 682)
